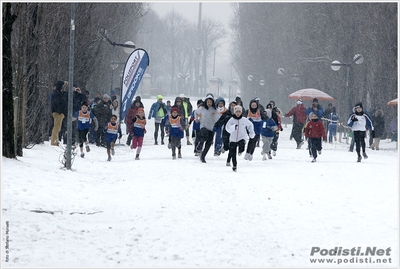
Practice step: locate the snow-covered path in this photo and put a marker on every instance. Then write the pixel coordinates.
(159, 212)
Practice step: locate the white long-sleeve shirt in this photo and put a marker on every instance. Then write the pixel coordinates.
(238, 129)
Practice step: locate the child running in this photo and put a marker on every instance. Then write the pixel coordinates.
(240, 128)
(174, 123)
(112, 129)
(314, 131)
(359, 121)
(268, 129)
(138, 131)
(85, 118)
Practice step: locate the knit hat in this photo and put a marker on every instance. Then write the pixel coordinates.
(299, 101)
(359, 104)
(140, 109)
(106, 96)
(237, 108)
(311, 114)
(159, 97)
(174, 109)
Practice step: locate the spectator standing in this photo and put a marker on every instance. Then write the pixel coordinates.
(59, 109)
(379, 128)
(333, 119)
(299, 119)
(158, 112)
(103, 115)
(316, 108)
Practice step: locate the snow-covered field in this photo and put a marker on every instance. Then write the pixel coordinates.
(159, 212)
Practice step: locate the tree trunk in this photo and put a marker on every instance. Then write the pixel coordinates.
(8, 87)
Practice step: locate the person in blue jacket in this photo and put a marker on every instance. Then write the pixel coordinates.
(315, 108)
(158, 112)
(268, 130)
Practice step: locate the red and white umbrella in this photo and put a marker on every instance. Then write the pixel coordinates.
(393, 102)
(310, 94)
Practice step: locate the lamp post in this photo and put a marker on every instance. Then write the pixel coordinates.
(261, 83)
(184, 78)
(128, 46)
(335, 65)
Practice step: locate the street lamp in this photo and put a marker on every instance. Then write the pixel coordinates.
(184, 78)
(261, 82)
(128, 46)
(335, 65)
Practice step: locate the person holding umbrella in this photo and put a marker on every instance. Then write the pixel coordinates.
(299, 119)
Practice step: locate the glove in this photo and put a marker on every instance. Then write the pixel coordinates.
(354, 118)
(373, 134)
(120, 135)
(281, 129)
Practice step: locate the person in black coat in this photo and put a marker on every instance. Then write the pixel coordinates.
(59, 109)
(378, 120)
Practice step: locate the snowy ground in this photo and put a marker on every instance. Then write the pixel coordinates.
(159, 212)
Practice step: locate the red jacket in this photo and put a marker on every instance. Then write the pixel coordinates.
(315, 129)
(130, 115)
(299, 113)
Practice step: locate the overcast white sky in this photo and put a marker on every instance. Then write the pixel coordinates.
(220, 11)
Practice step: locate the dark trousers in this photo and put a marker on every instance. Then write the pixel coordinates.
(159, 126)
(297, 132)
(175, 144)
(196, 134)
(251, 145)
(359, 141)
(232, 151)
(316, 145)
(274, 144)
(206, 136)
(82, 136)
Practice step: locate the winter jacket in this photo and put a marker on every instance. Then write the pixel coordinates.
(187, 107)
(255, 116)
(208, 115)
(154, 109)
(315, 129)
(59, 102)
(102, 112)
(299, 114)
(269, 128)
(333, 118)
(379, 123)
(360, 122)
(239, 128)
(196, 125)
(221, 122)
(319, 112)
